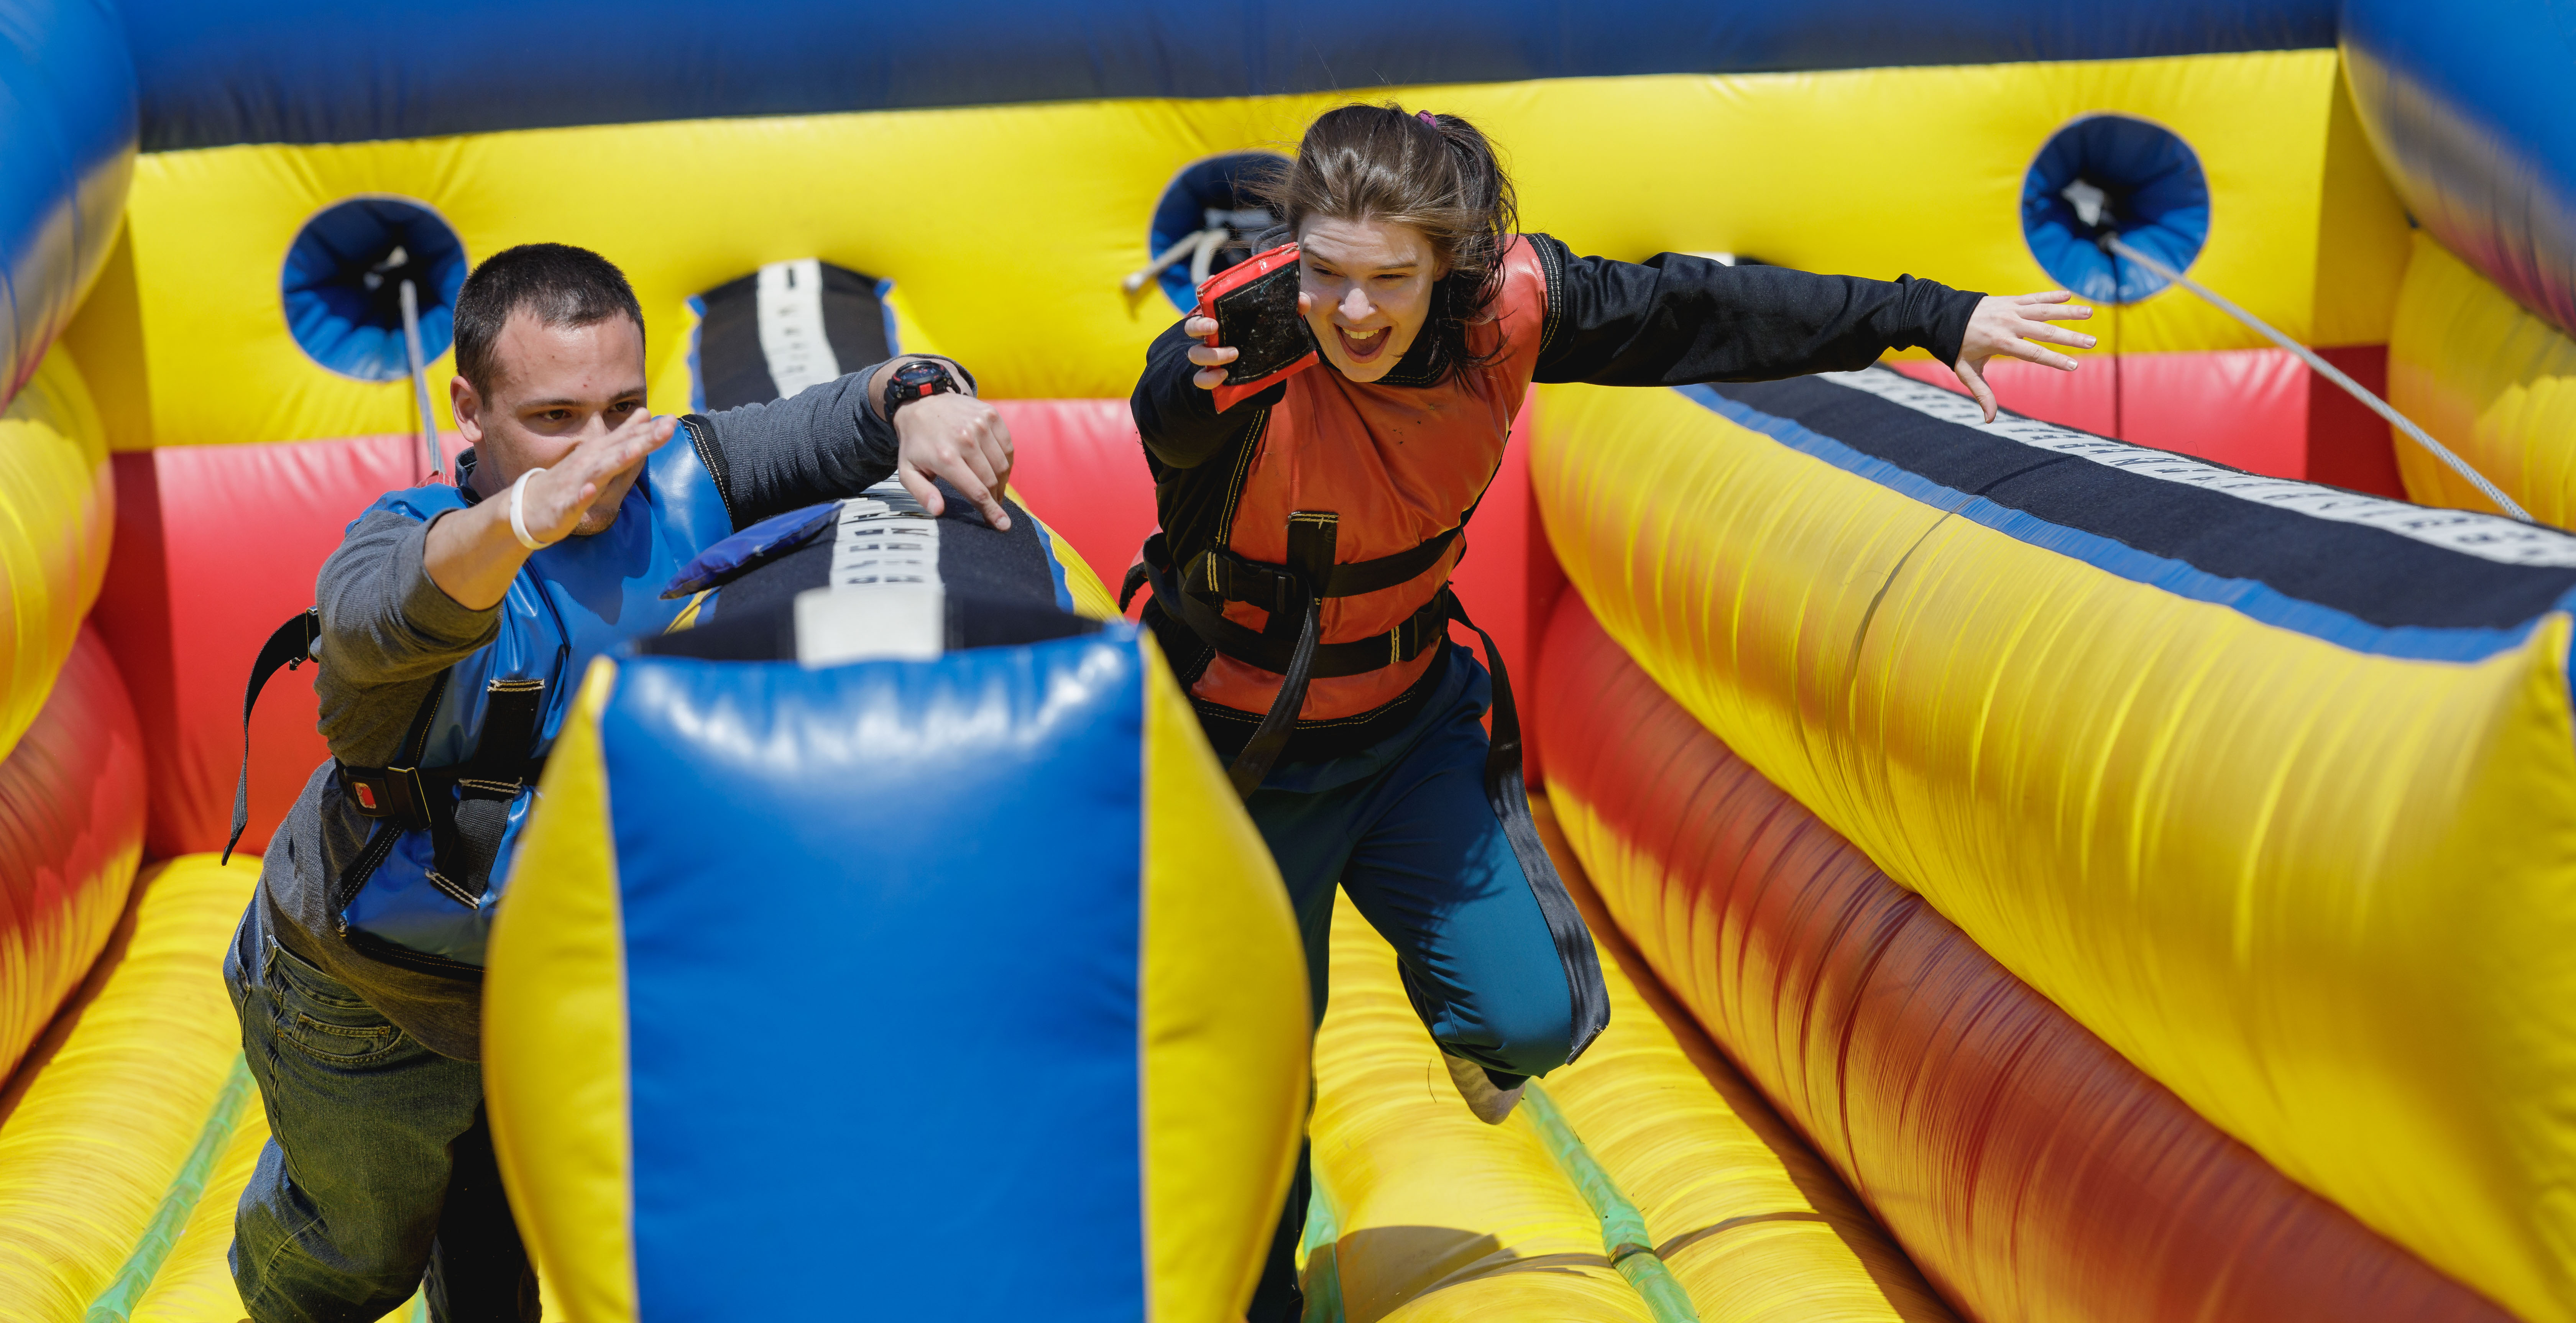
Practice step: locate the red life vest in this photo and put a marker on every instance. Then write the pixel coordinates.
(1401, 467)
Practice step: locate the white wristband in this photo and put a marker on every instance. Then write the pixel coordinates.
(518, 513)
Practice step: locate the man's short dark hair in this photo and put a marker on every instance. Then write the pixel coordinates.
(558, 283)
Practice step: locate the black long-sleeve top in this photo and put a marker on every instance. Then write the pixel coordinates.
(1669, 321)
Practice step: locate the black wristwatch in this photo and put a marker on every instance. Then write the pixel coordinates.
(918, 379)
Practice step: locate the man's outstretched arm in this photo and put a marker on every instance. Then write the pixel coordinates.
(833, 440)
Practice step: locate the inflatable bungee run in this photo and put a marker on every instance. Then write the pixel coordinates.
(2117, 862)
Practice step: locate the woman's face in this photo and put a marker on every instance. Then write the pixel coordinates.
(1368, 286)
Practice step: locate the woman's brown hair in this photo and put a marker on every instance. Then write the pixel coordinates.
(1436, 173)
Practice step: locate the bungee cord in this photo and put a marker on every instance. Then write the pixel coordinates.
(2112, 243)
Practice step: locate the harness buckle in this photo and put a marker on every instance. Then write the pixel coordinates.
(397, 793)
(415, 795)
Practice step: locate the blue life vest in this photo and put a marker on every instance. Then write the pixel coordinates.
(570, 602)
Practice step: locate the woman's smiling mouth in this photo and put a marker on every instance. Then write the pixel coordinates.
(1361, 346)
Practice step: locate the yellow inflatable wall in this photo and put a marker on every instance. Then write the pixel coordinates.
(2322, 893)
(188, 330)
(57, 510)
(2488, 379)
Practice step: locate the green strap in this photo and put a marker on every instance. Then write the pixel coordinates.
(116, 1303)
(1623, 1228)
(1323, 1279)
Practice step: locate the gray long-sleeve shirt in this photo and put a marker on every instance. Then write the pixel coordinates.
(388, 631)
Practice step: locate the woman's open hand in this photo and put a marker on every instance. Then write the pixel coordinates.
(1211, 362)
(2008, 324)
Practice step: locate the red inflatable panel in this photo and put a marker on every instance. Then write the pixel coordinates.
(1081, 467)
(71, 833)
(2032, 1172)
(1509, 578)
(215, 547)
(2260, 410)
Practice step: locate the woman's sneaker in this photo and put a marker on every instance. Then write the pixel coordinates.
(1491, 1105)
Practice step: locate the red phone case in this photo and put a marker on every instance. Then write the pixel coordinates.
(1219, 295)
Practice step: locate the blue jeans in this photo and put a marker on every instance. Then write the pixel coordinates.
(1405, 829)
(379, 1166)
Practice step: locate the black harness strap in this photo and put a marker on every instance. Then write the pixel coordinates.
(1505, 790)
(400, 793)
(1275, 648)
(464, 808)
(1222, 574)
(1312, 536)
(289, 645)
(465, 827)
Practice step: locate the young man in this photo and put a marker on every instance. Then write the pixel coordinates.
(454, 624)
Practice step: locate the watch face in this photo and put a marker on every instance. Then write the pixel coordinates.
(917, 374)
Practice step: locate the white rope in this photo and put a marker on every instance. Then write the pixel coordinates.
(419, 375)
(2328, 371)
(1188, 244)
(1210, 240)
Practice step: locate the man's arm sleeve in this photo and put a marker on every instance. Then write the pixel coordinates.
(820, 444)
(1675, 320)
(383, 620)
(1178, 421)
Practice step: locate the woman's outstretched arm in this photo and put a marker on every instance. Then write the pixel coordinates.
(1676, 320)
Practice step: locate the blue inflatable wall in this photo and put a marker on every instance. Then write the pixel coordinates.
(67, 99)
(310, 71)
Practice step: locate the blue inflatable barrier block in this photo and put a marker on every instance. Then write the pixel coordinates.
(2472, 109)
(67, 141)
(882, 927)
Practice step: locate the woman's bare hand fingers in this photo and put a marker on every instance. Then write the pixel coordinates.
(1972, 374)
(1199, 328)
(2055, 335)
(2028, 352)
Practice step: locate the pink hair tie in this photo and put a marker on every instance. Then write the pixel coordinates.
(1425, 117)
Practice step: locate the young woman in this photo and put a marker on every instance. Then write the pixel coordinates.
(1309, 530)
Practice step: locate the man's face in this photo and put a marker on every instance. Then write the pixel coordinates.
(557, 387)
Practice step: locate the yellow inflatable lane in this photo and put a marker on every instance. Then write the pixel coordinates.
(2488, 379)
(123, 1132)
(2271, 787)
(1432, 1214)
(1646, 1181)
(1746, 1217)
(195, 1283)
(57, 512)
(189, 319)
